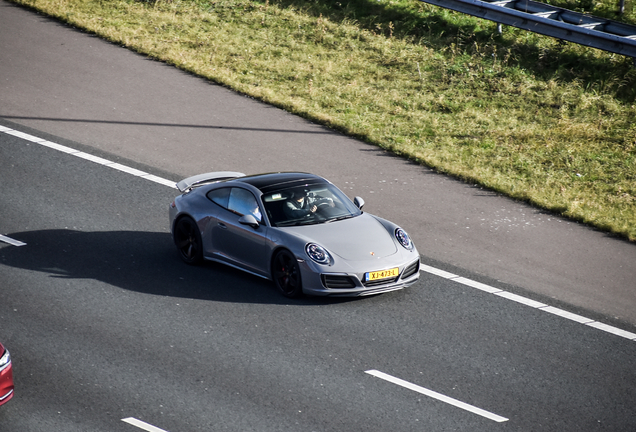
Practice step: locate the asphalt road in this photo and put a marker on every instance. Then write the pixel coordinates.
(105, 323)
(77, 87)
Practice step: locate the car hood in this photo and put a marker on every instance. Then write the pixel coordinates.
(356, 239)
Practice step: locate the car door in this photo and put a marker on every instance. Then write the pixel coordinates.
(236, 243)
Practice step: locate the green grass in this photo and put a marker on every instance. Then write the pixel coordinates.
(541, 120)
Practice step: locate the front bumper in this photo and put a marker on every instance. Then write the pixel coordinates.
(353, 284)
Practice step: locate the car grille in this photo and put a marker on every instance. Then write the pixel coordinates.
(379, 282)
(411, 270)
(345, 282)
(335, 281)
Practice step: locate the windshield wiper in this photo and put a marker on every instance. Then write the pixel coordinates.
(311, 222)
(298, 222)
(288, 223)
(340, 218)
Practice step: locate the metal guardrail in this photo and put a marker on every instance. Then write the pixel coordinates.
(551, 21)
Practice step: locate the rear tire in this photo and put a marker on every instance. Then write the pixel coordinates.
(286, 274)
(187, 238)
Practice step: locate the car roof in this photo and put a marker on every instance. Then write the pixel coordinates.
(274, 181)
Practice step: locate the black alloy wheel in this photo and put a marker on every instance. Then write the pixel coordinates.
(188, 240)
(286, 274)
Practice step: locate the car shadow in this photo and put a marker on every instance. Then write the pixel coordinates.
(145, 262)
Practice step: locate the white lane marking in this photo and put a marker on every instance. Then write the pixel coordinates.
(519, 299)
(142, 425)
(529, 302)
(11, 241)
(93, 158)
(437, 272)
(160, 180)
(89, 157)
(438, 396)
(611, 329)
(128, 170)
(423, 267)
(568, 315)
(59, 147)
(478, 285)
(23, 135)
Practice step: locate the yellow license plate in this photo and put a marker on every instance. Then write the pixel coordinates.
(383, 274)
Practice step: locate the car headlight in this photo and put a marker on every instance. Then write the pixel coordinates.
(5, 360)
(403, 238)
(318, 253)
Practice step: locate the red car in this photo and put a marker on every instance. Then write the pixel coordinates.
(6, 376)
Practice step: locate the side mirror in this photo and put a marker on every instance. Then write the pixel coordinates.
(359, 202)
(249, 220)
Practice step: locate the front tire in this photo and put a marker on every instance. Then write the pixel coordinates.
(187, 238)
(286, 274)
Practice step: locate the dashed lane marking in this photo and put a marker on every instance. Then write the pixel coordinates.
(142, 425)
(438, 396)
(11, 241)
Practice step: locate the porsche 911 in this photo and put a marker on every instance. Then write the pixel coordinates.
(295, 229)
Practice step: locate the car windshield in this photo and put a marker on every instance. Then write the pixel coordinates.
(308, 204)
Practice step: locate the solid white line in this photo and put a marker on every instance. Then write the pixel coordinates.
(438, 396)
(24, 136)
(142, 425)
(89, 157)
(478, 285)
(11, 241)
(423, 267)
(128, 169)
(160, 180)
(59, 147)
(94, 158)
(568, 315)
(523, 300)
(613, 330)
(529, 302)
(437, 272)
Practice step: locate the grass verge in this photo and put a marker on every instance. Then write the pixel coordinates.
(537, 119)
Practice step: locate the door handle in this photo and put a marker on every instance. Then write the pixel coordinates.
(222, 225)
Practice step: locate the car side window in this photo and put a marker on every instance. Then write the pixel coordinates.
(220, 196)
(243, 202)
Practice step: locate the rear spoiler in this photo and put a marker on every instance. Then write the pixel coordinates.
(211, 177)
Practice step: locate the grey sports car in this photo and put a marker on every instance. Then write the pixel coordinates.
(296, 229)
